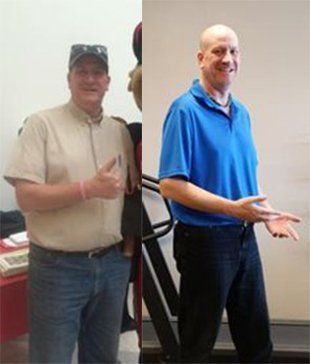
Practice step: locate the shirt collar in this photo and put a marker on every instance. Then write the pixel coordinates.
(198, 92)
(83, 116)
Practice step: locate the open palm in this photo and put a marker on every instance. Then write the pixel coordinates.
(281, 227)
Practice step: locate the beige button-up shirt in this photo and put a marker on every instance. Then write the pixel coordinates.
(62, 145)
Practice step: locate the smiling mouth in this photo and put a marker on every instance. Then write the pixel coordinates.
(227, 70)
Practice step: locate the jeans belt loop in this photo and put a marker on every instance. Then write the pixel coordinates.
(103, 251)
(246, 224)
(91, 253)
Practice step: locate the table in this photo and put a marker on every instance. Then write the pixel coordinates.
(13, 304)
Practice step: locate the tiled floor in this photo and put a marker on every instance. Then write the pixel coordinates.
(15, 352)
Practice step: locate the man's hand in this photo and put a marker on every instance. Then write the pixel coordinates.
(107, 183)
(247, 209)
(277, 222)
(281, 227)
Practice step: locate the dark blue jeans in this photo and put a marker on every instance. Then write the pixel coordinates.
(76, 300)
(220, 268)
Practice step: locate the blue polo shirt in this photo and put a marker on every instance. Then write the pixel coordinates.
(210, 149)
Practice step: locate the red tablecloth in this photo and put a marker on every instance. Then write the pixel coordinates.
(13, 304)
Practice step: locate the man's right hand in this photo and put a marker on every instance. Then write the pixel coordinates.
(248, 209)
(107, 183)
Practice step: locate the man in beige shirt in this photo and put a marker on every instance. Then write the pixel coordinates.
(69, 169)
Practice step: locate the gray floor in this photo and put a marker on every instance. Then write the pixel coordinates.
(15, 351)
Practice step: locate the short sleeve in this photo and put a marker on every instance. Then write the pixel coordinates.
(176, 150)
(29, 153)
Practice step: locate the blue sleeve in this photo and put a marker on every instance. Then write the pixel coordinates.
(176, 150)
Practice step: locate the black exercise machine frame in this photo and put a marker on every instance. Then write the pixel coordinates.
(151, 294)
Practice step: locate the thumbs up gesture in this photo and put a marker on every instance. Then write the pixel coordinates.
(107, 183)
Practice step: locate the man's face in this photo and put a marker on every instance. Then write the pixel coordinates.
(220, 60)
(88, 82)
(135, 84)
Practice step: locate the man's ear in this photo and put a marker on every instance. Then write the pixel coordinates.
(200, 56)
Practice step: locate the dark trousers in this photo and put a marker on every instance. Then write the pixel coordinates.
(220, 268)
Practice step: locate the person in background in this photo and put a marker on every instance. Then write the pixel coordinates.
(132, 218)
(70, 169)
(208, 169)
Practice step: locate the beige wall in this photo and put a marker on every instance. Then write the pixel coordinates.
(274, 83)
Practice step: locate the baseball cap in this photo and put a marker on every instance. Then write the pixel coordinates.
(97, 50)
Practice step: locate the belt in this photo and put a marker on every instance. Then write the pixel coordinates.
(231, 231)
(243, 225)
(95, 253)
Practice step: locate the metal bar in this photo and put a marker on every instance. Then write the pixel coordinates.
(161, 224)
(159, 264)
(158, 315)
(153, 186)
(151, 294)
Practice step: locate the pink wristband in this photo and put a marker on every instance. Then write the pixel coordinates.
(82, 190)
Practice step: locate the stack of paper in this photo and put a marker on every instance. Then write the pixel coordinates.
(15, 240)
(14, 262)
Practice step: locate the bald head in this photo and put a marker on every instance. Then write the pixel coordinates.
(216, 32)
(218, 58)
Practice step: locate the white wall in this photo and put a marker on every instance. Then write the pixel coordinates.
(274, 83)
(36, 36)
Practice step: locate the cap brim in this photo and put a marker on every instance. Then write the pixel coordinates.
(79, 56)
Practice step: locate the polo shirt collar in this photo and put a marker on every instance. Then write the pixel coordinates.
(81, 114)
(198, 92)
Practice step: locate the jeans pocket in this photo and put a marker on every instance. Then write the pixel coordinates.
(119, 250)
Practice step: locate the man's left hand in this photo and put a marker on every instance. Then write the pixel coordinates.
(281, 227)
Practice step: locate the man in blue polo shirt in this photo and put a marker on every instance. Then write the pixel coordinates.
(208, 169)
